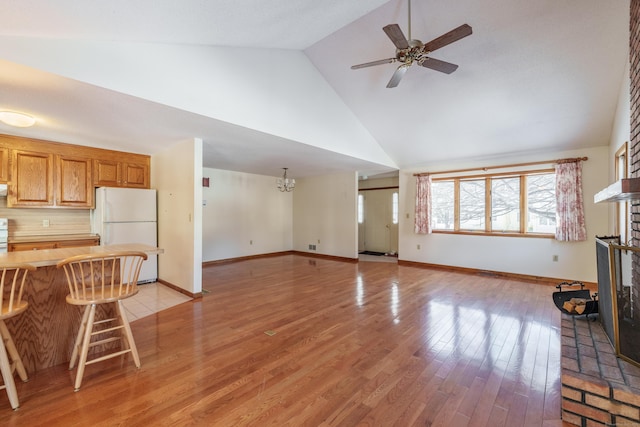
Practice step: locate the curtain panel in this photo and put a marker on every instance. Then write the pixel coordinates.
(570, 223)
(423, 205)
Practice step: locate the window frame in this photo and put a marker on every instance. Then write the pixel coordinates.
(488, 207)
(621, 169)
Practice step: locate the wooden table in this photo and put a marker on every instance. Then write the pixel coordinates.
(45, 333)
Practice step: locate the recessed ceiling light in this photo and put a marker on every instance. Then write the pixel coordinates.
(20, 120)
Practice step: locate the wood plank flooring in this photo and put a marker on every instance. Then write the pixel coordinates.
(366, 344)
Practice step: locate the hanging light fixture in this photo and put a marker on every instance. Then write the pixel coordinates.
(284, 183)
(13, 118)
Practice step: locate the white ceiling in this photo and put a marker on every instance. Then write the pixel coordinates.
(534, 76)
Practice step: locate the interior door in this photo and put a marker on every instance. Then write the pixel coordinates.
(380, 233)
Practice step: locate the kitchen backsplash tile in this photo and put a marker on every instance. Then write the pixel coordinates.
(33, 222)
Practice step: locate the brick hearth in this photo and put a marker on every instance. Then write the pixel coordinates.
(598, 389)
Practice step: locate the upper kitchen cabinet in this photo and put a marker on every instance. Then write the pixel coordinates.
(31, 179)
(52, 174)
(74, 182)
(4, 164)
(132, 172)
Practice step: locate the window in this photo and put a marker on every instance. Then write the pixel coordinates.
(442, 205)
(505, 204)
(541, 203)
(512, 204)
(360, 208)
(621, 226)
(472, 209)
(394, 207)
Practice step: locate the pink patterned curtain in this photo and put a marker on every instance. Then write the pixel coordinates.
(570, 225)
(423, 205)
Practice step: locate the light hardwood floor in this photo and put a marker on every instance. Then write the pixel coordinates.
(369, 343)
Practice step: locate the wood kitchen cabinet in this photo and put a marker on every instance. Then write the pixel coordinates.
(31, 182)
(52, 244)
(74, 182)
(45, 174)
(4, 164)
(113, 173)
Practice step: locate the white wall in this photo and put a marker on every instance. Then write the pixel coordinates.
(325, 215)
(244, 215)
(519, 255)
(175, 173)
(284, 96)
(621, 133)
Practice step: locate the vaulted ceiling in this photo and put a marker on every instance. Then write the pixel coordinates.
(268, 84)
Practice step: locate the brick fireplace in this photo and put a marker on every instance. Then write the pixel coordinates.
(634, 143)
(598, 388)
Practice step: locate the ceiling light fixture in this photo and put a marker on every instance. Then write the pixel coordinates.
(20, 120)
(284, 183)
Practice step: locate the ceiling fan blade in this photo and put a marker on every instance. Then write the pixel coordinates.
(396, 35)
(454, 35)
(372, 63)
(438, 65)
(397, 76)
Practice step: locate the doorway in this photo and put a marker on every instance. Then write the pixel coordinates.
(378, 220)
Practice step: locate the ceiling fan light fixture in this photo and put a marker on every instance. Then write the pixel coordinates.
(284, 183)
(410, 51)
(13, 118)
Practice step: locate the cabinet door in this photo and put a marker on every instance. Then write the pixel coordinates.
(31, 246)
(4, 164)
(31, 179)
(75, 183)
(77, 243)
(136, 175)
(107, 173)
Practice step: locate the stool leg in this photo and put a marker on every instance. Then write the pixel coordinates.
(131, 344)
(12, 351)
(7, 377)
(78, 343)
(85, 345)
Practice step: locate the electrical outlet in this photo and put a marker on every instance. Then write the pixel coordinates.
(45, 223)
(251, 242)
(418, 247)
(555, 258)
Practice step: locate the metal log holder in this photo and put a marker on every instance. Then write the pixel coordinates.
(560, 297)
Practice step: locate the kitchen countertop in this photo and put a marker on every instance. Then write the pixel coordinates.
(48, 257)
(51, 238)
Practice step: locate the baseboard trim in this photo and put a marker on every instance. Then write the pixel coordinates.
(329, 257)
(512, 276)
(245, 258)
(273, 254)
(179, 289)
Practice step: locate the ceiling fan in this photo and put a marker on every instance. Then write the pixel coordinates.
(409, 51)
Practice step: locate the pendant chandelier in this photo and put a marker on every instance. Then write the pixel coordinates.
(284, 183)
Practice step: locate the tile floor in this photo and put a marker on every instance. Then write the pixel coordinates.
(151, 298)
(375, 258)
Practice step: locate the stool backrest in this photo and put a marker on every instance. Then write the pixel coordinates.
(103, 277)
(12, 279)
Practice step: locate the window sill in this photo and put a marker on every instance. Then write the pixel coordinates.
(498, 234)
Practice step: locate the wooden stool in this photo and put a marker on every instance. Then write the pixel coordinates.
(102, 279)
(11, 304)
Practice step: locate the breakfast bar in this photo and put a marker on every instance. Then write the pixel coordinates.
(45, 333)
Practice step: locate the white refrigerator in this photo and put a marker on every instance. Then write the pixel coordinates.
(128, 215)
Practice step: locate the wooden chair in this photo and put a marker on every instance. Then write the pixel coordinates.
(11, 304)
(102, 279)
